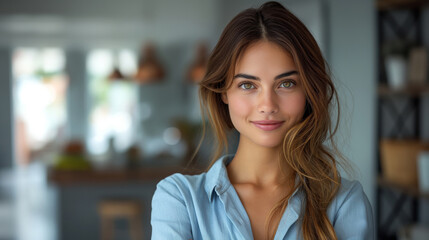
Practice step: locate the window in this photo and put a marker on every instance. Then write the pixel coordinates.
(113, 120)
(40, 86)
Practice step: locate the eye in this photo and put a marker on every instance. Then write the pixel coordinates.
(246, 86)
(287, 84)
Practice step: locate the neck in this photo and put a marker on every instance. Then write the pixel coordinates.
(257, 165)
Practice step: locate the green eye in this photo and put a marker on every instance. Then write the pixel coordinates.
(246, 86)
(287, 84)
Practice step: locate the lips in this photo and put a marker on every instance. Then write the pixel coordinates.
(267, 125)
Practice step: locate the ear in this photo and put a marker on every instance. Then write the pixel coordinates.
(224, 98)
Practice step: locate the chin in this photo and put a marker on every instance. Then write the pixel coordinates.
(269, 143)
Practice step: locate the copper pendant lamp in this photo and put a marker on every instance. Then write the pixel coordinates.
(116, 75)
(198, 69)
(149, 69)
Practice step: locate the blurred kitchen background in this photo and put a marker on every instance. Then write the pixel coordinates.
(99, 102)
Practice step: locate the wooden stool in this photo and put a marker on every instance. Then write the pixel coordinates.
(110, 210)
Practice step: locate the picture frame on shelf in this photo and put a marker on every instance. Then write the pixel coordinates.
(418, 66)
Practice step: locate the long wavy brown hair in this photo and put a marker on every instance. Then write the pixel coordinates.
(305, 145)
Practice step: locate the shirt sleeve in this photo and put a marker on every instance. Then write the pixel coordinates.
(354, 219)
(170, 218)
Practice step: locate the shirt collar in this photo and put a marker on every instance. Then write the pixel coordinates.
(217, 176)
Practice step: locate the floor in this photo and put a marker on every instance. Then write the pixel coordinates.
(27, 204)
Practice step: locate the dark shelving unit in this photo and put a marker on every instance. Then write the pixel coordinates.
(387, 192)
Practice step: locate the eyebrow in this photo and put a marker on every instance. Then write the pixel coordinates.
(247, 76)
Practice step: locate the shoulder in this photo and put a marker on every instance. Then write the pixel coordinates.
(177, 193)
(181, 184)
(196, 184)
(172, 206)
(351, 212)
(192, 189)
(350, 193)
(349, 189)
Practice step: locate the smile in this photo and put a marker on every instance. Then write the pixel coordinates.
(267, 125)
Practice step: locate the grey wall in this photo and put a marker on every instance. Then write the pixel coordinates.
(76, 94)
(6, 138)
(352, 50)
(99, 23)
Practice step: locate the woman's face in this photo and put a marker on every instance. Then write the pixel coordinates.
(266, 97)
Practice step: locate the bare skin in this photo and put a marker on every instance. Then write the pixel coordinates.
(260, 186)
(265, 100)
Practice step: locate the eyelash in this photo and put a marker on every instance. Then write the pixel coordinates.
(288, 81)
(241, 85)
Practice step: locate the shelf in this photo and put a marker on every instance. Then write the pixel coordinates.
(64, 177)
(408, 190)
(400, 4)
(398, 19)
(412, 91)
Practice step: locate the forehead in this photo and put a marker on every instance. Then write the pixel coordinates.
(265, 55)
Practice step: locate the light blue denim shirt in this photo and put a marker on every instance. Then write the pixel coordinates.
(206, 206)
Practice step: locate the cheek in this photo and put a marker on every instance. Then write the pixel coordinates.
(295, 106)
(238, 107)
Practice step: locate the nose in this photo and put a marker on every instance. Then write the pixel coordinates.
(267, 103)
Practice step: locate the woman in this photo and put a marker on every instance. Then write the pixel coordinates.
(267, 79)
